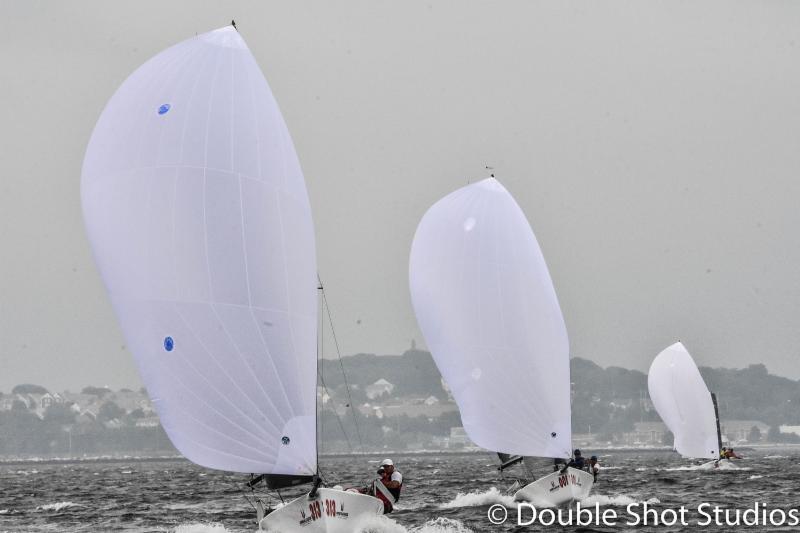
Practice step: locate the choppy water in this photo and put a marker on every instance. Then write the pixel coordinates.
(441, 494)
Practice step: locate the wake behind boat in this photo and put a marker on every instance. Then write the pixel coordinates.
(489, 313)
(198, 216)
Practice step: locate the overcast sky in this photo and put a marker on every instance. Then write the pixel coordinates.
(652, 145)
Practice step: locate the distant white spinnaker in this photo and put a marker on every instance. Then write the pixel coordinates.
(684, 403)
(486, 305)
(200, 223)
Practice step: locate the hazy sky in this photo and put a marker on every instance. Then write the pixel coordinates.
(654, 146)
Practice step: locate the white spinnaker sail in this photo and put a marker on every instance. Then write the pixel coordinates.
(489, 313)
(199, 219)
(684, 403)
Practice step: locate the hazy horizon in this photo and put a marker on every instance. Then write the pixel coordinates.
(652, 146)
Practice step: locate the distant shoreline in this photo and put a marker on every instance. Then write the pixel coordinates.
(179, 458)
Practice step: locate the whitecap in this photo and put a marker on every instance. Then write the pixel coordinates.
(380, 524)
(442, 525)
(58, 506)
(710, 466)
(477, 499)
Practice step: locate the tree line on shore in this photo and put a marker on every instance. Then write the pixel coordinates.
(607, 402)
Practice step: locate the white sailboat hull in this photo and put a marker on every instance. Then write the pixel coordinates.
(557, 488)
(722, 464)
(330, 511)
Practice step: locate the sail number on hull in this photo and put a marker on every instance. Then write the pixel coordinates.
(565, 481)
(318, 507)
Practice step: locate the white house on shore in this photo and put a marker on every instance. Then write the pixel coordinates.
(379, 388)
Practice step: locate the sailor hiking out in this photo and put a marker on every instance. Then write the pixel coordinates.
(387, 487)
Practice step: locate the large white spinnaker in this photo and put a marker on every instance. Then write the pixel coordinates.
(684, 403)
(486, 305)
(200, 223)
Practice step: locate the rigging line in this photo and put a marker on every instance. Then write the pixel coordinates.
(244, 495)
(341, 365)
(321, 379)
(338, 418)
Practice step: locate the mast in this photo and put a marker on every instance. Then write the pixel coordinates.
(716, 415)
(317, 399)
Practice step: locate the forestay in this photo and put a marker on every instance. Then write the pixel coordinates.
(200, 223)
(683, 401)
(489, 313)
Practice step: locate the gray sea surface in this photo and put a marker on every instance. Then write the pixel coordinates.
(442, 493)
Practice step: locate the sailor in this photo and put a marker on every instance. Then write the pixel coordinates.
(395, 482)
(730, 454)
(594, 468)
(387, 487)
(577, 460)
(381, 492)
(724, 453)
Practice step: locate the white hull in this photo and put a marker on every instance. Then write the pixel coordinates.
(330, 511)
(722, 464)
(557, 488)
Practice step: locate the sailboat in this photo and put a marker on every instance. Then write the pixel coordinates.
(685, 404)
(488, 310)
(198, 216)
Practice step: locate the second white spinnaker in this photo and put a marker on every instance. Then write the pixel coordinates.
(488, 310)
(684, 403)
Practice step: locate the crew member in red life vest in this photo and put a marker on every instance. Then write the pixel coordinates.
(730, 454)
(380, 491)
(387, 488)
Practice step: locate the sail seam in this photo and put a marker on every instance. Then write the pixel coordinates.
(255, 321)
(224, 372)
(288, 297)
